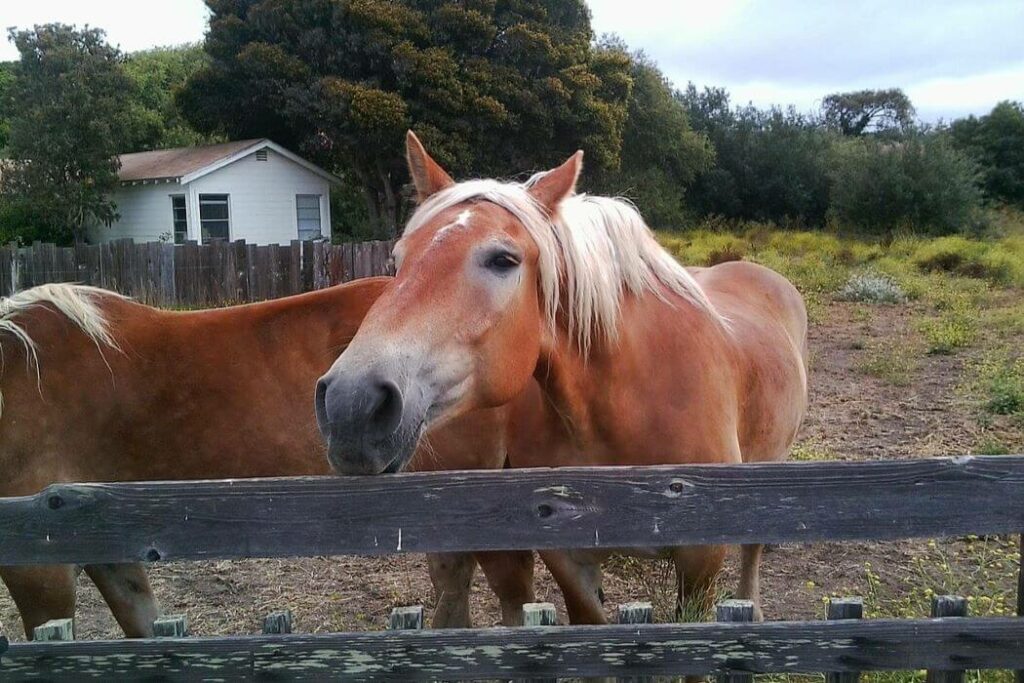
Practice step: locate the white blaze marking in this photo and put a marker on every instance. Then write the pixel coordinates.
(461, 221)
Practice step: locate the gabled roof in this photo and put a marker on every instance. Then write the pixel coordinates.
(185, 164)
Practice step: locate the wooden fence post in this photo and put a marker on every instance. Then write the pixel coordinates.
(844, 608)
(537, 614)
(734, 610)
(171, 626)
(278, 622)
(636, 613)
(1020, 592)
(406, 618)
(54, 629)
(947, 606)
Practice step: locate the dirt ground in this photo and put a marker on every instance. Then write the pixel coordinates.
(852, 416)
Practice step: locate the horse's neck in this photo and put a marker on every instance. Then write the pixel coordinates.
(579, 389)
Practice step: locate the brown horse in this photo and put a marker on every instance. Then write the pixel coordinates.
(637, 360)
(96, 387)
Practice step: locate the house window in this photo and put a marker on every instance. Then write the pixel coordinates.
(213, 217)
(180, 218)
(307, 207)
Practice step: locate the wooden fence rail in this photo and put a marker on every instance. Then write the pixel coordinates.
(604, 507)
(568, 651)
(192, 275)
(523, 509)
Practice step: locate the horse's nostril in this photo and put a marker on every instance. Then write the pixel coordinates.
(386, 414)
(320, 406)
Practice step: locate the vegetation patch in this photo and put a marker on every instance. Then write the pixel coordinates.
(947, 333)
(893, 363)
(1002, 383)
(872, 288)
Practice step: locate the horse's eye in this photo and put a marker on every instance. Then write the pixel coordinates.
(502, 262)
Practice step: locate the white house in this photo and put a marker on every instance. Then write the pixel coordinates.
(251, 189)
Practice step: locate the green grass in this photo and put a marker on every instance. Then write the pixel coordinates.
(1001, 383)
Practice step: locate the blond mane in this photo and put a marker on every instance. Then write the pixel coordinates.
(596, 248)
(75, 302)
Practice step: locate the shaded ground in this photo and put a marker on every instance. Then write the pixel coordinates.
(853, 416)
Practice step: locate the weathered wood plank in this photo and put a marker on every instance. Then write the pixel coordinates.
(573, 651)
(606, 507)
(844, 608)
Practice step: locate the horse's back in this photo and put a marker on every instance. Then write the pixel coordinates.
(768, 328)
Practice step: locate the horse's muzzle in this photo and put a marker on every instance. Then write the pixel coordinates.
(360, 418)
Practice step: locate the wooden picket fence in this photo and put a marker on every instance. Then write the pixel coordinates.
(192, 275)
(608, 507)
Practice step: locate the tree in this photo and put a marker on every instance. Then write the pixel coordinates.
(854, 113)
(154, 120)
(488, 85)
(661, 155)
(770, 165)
(996, 142)
(919, 183)
(68, 105)
(6, 79)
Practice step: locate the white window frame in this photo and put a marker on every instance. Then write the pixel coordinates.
(174, 219)
(227, 203)
(319, 209)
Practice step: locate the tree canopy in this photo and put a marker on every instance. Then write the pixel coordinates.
(996, 142)
(154, 120)
(855, 113)
(488, 85)
(68, 106)
(661, 155)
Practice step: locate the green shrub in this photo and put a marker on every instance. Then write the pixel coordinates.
(919, 183)
(1001, 262)
(948, 333)
(1004, 386)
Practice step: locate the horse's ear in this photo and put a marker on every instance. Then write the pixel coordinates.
(427, 176)
(554, 186)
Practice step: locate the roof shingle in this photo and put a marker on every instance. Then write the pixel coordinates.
(178, 162)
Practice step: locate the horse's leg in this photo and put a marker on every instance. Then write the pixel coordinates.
(510, 576)
(451, 574)
(750, 581)
(579, 576)
(697, 568)
(41, 592)
(126, 589)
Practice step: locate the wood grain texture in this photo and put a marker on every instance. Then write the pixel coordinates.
(631, 650)
(607, 507)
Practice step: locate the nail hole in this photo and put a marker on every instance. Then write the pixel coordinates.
(545, 510)
(55, 502)
(676, 487)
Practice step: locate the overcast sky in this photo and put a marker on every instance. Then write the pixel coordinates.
(951, 58)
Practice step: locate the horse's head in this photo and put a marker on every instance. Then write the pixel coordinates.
(463, 324)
